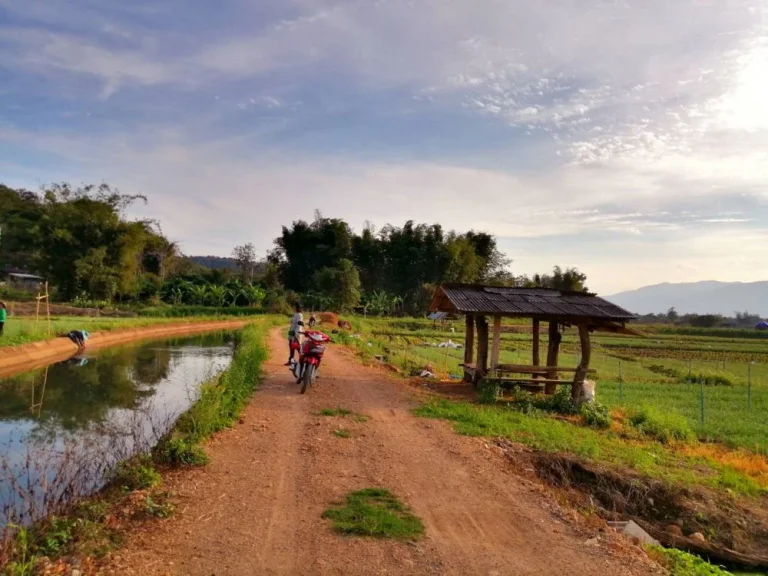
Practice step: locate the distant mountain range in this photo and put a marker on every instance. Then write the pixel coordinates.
(214, 262)
(709, 297)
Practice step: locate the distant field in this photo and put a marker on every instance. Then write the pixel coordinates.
(727, 401)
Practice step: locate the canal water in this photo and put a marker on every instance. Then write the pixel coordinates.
(65, 427)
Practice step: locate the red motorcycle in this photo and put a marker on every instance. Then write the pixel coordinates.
(310, 355)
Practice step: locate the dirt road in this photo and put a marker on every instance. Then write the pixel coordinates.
(256, 508)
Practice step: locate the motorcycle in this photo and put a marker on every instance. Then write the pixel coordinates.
(311, 352)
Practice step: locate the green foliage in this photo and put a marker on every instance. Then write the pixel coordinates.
(184, 311)
(559, 402)
(136, 474)
(680, 563)
(377, 513)
(663, 426)
(181, 452)
(596, 415)
(488, 391)
(399, 261)
(158, 506)
(706, 377)
(341, 284)
(342, 433)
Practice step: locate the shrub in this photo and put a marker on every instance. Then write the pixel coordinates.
(181, 452)
(136, 474)
(663, 426)
(596, 415)
(488, 391)
(681, 563)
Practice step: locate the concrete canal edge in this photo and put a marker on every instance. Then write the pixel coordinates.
(27, 357)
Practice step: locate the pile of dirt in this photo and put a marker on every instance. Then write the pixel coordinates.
(734, 530)
(328, 318)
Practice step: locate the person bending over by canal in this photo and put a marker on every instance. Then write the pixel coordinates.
(79, 337)
(293, 332)
(3, 315)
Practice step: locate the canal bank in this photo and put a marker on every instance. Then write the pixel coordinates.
(27, 357)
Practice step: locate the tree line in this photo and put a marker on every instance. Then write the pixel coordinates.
(80, 239)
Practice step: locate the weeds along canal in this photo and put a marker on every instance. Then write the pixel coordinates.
(64, 428)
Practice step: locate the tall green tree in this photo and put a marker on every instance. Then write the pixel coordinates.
(341, 284)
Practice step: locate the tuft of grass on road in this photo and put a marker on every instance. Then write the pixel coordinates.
(374, 512)
(342, 433)
(344, 413)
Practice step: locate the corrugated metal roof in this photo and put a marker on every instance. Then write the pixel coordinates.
(540, 302)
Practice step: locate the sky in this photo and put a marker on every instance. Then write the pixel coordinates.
(628, 138)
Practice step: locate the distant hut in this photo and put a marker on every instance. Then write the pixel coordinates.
(26, 282)
(586, 312)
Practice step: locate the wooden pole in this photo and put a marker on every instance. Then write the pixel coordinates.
(581, 372)
(536, 355)
(481, 366)
(496, 342)
(37, 311)
(48, 307)
(469, 343)
(553, 351)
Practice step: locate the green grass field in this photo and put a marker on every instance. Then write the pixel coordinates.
(632, 371)
(21, 330)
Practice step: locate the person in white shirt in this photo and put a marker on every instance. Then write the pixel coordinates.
(297, 320)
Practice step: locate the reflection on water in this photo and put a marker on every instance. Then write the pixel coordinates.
(64, 427)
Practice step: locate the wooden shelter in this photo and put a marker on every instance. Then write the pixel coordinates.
(558, 308)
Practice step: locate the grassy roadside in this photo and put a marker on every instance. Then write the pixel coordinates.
(90, 528)
(622, 446)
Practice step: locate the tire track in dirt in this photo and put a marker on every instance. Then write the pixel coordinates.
(257, 507)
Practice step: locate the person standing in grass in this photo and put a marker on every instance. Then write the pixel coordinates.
(3, 316)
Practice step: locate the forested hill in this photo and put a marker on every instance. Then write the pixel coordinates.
(214, 262)
(708, 297)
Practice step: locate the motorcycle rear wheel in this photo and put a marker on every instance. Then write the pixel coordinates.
(306, 379)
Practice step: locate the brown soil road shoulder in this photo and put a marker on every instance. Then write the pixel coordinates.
(256, 508)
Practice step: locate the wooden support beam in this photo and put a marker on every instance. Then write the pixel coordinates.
(581, 372)
(553, 351)
(496, 342)
(469, 339)
(536, 356)
(481, 365)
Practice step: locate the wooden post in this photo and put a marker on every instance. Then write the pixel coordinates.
(581, 371)
(496, 342)
(481, 366)
(536, 355)
(553, 351)
(48, 307)
(469, 339)
(469, 343)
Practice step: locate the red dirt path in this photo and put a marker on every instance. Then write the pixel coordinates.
(256, 508)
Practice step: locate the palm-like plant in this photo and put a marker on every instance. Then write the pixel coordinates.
(217, 295)
(198, 294)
